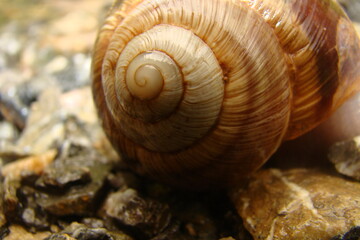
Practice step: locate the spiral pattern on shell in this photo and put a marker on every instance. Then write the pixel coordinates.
(188, 89)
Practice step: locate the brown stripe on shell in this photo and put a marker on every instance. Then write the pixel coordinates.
(307, 31)
(319, 21)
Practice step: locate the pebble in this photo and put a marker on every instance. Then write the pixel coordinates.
(10, 43)
(34, 164)
(59, 63)
(17, 232)
(147, 217)
(8, 131)
(78, 231)
(345, 156)
(72, 184)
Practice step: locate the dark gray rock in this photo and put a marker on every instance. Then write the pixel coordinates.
(144, 215)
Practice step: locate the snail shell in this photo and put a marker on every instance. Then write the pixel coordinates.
(202, 93)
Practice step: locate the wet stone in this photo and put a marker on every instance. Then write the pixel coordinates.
(32, 215)
(38, 187)
(79, 178)
(10, 199)
(20, 199)
(146, 216)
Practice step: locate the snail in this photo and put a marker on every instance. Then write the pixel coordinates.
(200, 94)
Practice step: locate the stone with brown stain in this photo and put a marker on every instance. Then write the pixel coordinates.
(298, 204)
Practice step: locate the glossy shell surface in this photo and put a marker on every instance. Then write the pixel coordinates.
(202, 93)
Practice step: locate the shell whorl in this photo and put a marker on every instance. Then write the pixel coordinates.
(190, 76)
(188, 89)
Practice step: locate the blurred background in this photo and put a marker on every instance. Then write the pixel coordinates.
(44, 43)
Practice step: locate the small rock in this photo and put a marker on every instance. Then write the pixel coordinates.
(44, 126)
(8, 131)
(30, 214)
(79, 103)
(353, 234)
(346, 157)
(93, 222)
(34, 164)
(10, 152)
(79, 178)
(78, 231)
(146, 216)
(11, 202)
(10, 43)
(58, 64)
(298, 204)
(11, 106)
(20, 202)
(17, 232)
(49, 123)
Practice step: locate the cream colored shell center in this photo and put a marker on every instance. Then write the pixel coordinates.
(144, 81)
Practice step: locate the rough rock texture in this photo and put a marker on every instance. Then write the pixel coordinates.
(353, 234)
(33, 164)
(78, 231)
(72, 185)
(149, 217)
(17, 232)
(298, 204)
(346, 157)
